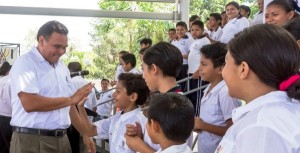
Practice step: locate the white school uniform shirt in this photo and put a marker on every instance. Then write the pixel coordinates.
(216, 108)
(135, 71)
(183, 45)
(5, 100)
(114, 129)
(216, 35)
(119, 70)
(105, 109)
(183, 148)
(79, 82)
(194, 55)
(232, 27)
(258, 18)
(267, 124)
(31, 73)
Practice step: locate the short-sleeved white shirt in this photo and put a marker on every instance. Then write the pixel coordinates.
(258, 18)
(183, 148)
(5, 100)
(269, 123)
(183, 45)
(114, 129)
(79, 82)
(105, 109)
(216, 108)
(216, 35)
(31, 73)
(194, 55)
(232, 27)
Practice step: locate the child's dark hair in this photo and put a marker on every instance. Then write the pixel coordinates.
(287, 5)
(141, 51)
(215, 52)
(181, 23)
(123, 52)
(165, 56)
(5, 68)
(174, 114)
(199, 23)
(271, 53)
(293, 27)
(105, 80)
(246, 8)
(146, 41)
(134, 83)
(129, 58)
(74, 67)
(217, 17)
(172, 29)
(193, 18)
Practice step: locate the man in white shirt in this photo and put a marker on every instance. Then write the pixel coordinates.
(105, 110)
(5, 108)
(259, 16)
(43, 95)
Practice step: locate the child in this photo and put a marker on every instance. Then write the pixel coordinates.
(216, 104)
(119, 69)
(128, 62)
(105, 110)
(166, 126)
(131, 91)
(262, 68)
(236, 22)
(182, 42)
(215, 31)
(294, 28)
(172, 34)
(197, 30)
(146, 42)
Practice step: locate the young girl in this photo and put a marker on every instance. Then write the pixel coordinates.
(182, 42)
(235, 24)
(131, 91)
(215, 31)
(262, 68)
(197, 29)
(294, 28)
(279, 12)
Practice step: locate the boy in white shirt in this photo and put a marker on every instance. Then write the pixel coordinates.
(131, 91)
(128, 62)
(166, 126)
(216, 104)
(119, 68)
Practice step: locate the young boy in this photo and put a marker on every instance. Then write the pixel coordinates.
(128, 62)
(216, 104)
(145, 42)
(166, 126)
(131, 91)
(119, 69)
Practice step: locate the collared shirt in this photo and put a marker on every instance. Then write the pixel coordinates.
(114, 129)
(194, 55)
(183, 148)
(216, 108)
(31, 73)
(258, 18)
(269, 123)
(216, 35)
(5, 100)
(79, 82)
(105, 109)
(183, 45)
(232, 27)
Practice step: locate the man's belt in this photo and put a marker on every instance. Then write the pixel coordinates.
(42, 132)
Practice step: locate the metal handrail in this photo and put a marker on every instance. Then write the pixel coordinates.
(184, 79)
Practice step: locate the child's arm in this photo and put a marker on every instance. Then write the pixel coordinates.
(90, 129)
(217, 130)
(137, 144)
